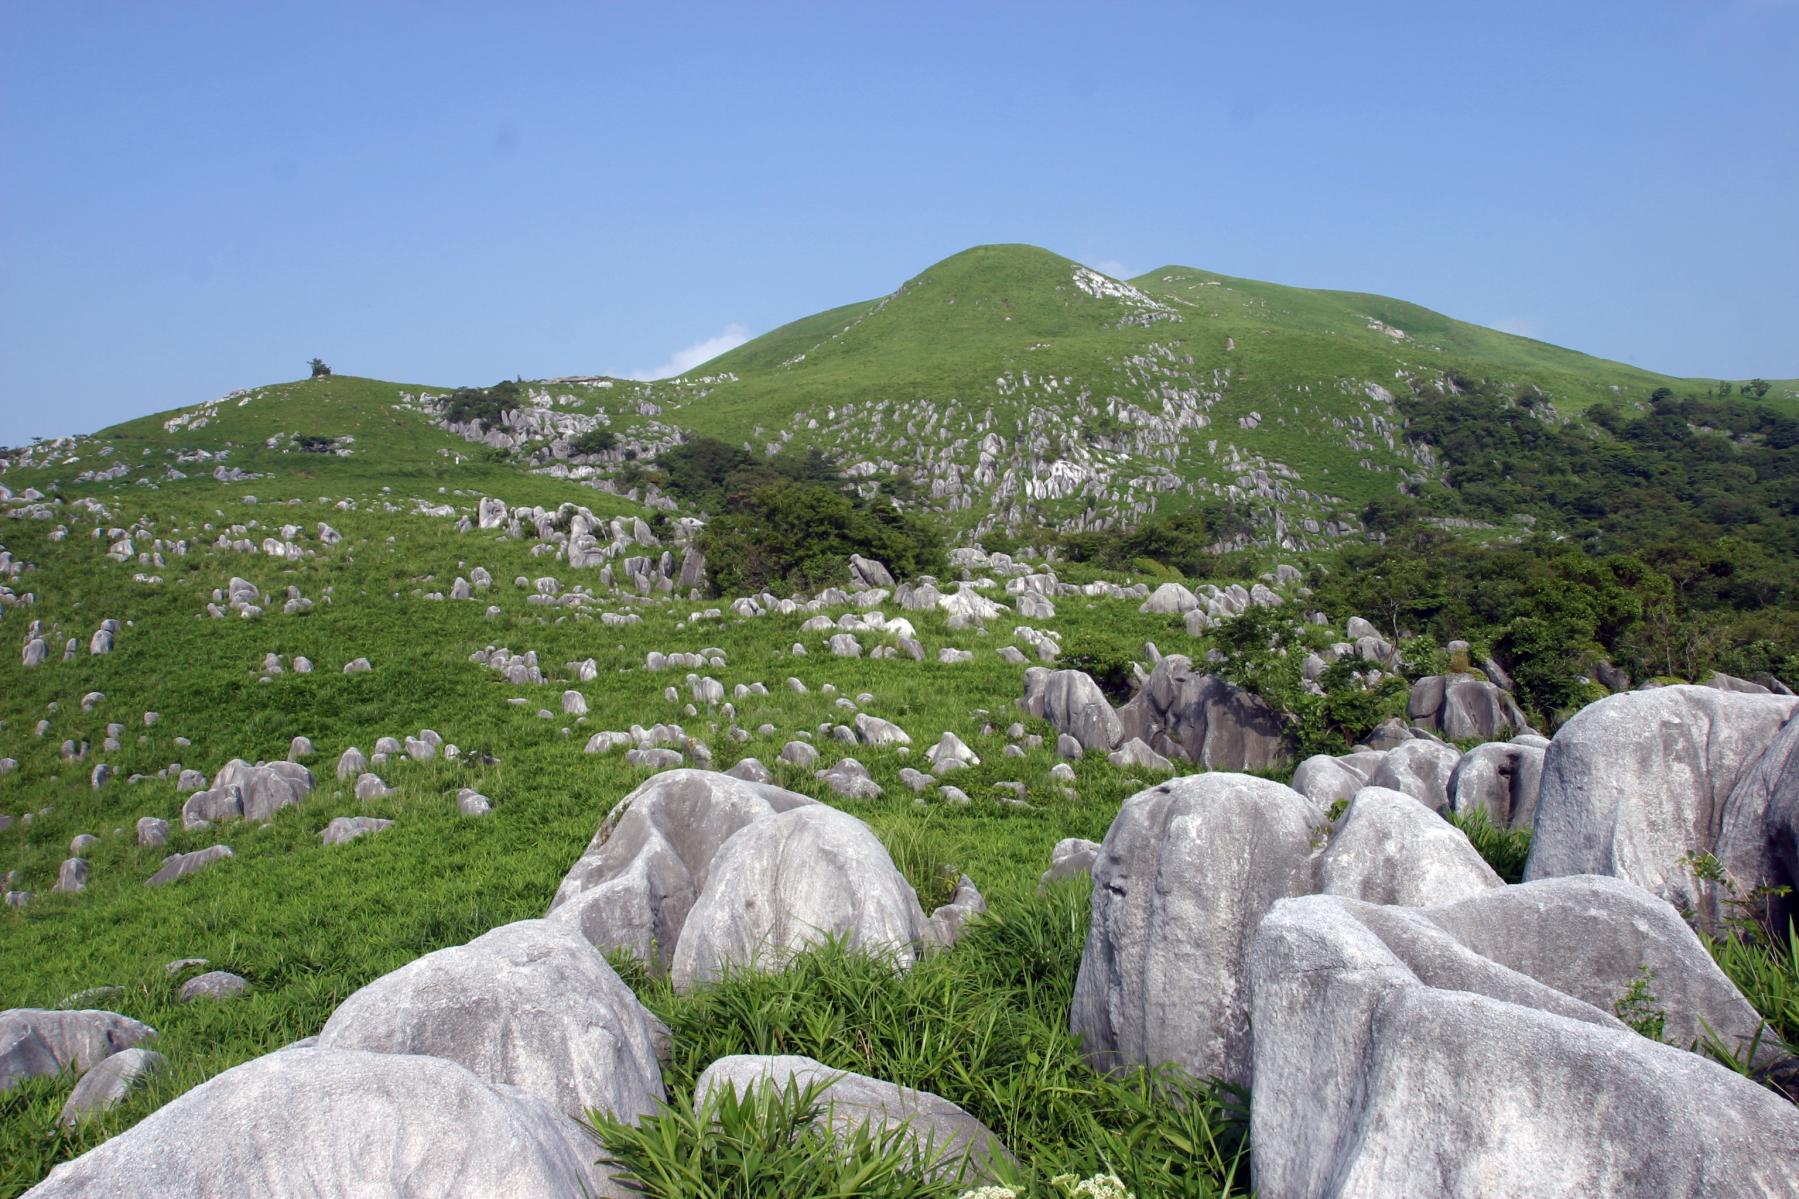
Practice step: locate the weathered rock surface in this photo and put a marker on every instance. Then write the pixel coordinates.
(242, 791)
(1204, 719)
(945, 924)
(1460, 706)
(1073, 703)
(348, 828)
(214, 984)
(1501, 779)
(302, 1123)
(1420, 769)
(1405, 1051)
(789, 881)
(1637, 783)
(1327, 779)
(107, 1084)
(530, 1004)
(1184, 876)
(1071, 858)
(39, 1041)
(1389, 848)
(178, 864)
(1758, 846)
(634, 885)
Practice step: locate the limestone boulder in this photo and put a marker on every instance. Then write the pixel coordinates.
(1758, 846)
(789, 881)
(348, 828)
(302, 1123)
(1074, 704)
(1636, 785)
(1461, 706)
(1071, 858)
(1471, 1049)
(36, 1041)
(1420, 769)
(531, 1005)
(1327, 779)
(634, 885)
(1501, 779)
(108, 1084)
(1185, 874)
(178, 865)
(1204, 719)
(1389, 848)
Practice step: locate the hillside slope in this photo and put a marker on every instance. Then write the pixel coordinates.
(1005, 388)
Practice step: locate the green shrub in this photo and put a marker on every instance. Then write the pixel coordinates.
(1505, 850)
(485, 404)
(764, 1142)
(799, 536)
(1638, 1007)
(594, 441)
(984, 1025)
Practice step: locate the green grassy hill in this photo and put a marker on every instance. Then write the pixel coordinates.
(1004, 387)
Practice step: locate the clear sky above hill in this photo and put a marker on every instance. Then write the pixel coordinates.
(199, 197)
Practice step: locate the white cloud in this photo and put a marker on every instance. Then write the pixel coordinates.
(688, 357)
(1521, 326)
(1114, 268)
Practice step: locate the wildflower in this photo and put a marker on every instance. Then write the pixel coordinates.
(1100, 1186)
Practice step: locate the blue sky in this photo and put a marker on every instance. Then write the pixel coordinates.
(201, 197)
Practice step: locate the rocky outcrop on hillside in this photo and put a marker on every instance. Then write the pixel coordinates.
(1178, 713)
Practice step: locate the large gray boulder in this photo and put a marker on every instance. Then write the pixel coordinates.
(1501, 779)
(1390, 848)
(866, 573)
(1636, 785)
(1460, 706)
(1471, 1050)
(1205, 719)
(634, 885)
(1073, 703)
(1327, 779)
(1420, 769)
(530, 1004)
(303, 1123)
(1169, 599)
(959, 1147)
(1184, 876)
(1758, 847)
(37, 1041)
(790, 881)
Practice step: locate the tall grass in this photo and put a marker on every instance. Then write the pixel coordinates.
(983, 1025)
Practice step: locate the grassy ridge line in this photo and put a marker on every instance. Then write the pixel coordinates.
(1433, 339)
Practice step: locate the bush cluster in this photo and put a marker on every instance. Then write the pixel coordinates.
(485, 404)
(791, 521)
